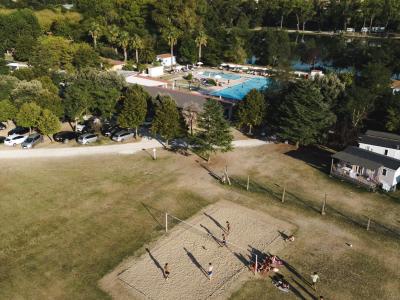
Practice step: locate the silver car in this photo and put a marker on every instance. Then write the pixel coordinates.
(87, 138)
(32, 141)
(123, 135)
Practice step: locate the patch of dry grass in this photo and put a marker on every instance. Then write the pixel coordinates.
(65, 223)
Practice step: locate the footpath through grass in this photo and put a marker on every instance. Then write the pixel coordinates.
(65, 224)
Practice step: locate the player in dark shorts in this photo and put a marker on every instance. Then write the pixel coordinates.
(166, 271)
(210, 271)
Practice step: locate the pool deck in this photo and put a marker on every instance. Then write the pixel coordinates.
(223, 83)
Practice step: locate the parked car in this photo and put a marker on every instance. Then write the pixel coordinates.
(2, 138)
(18, 130)
(66, 136)
(109, 129)
(32, 141)
(87, 138)
(2, 126)
(15, 139)
(122, 135)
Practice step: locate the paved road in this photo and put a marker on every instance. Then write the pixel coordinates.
(128, 148)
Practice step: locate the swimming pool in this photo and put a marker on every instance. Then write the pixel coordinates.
(239, 91)
(226, 76)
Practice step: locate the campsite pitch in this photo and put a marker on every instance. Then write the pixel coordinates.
(189, 250)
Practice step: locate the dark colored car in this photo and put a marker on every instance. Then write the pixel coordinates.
(65, 136)
(18, 130)
(2, 138)
(2, 126)
(109, 129)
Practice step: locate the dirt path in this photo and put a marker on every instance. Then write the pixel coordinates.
(129, 148)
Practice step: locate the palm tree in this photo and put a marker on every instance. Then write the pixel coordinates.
(123, 42)
(95, 32)
(171, 35)
(113, 35)
(201, 40)
(137, 43)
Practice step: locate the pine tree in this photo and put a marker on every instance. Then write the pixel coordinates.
(304, 116)
(48, 123)
(214, 134)
(167, 121)
(134, 108)
(251, 110)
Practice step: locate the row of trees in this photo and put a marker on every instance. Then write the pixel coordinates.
(35, 104)
(169, 122)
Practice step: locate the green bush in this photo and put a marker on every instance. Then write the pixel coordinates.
(189, 77)
(129, 66)
(211, 81)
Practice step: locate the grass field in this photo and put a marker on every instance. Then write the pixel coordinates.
(66, 223)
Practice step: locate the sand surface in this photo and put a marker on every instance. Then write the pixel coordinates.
(188, 252)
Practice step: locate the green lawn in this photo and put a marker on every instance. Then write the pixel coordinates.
(66, 224)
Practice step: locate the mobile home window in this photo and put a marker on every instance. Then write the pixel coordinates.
(386, 152)
(384, 172)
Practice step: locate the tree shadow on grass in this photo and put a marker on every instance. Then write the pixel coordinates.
(195, 261)
(315, 157)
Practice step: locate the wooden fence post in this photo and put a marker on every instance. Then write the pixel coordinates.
(248, 182)
(323, 206)
(283, 193)
(369, 223)
(226, 174)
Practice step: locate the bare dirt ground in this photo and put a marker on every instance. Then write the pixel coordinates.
(188, 252)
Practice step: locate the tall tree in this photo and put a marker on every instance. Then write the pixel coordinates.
(48, 123)
(304, 116)
(171, 36)
(137, 43)
(134, 108)
(214, 132)
(28, 115)
(251, 110)
(201, 40)
(123, 42)
(113, 32)
(167, 120)
(95, 32)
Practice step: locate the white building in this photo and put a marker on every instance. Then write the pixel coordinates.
(17, 65)
(381, 142)
(375, 163)
(366, 168)
(166, 60)
(155, 71)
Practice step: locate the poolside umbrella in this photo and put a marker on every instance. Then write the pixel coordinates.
(217, 77)
(199, 63)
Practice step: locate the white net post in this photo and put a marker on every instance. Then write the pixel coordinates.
(256, 265)
(166, 222)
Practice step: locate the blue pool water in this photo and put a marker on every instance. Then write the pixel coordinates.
(226, 76)
(239, 91)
